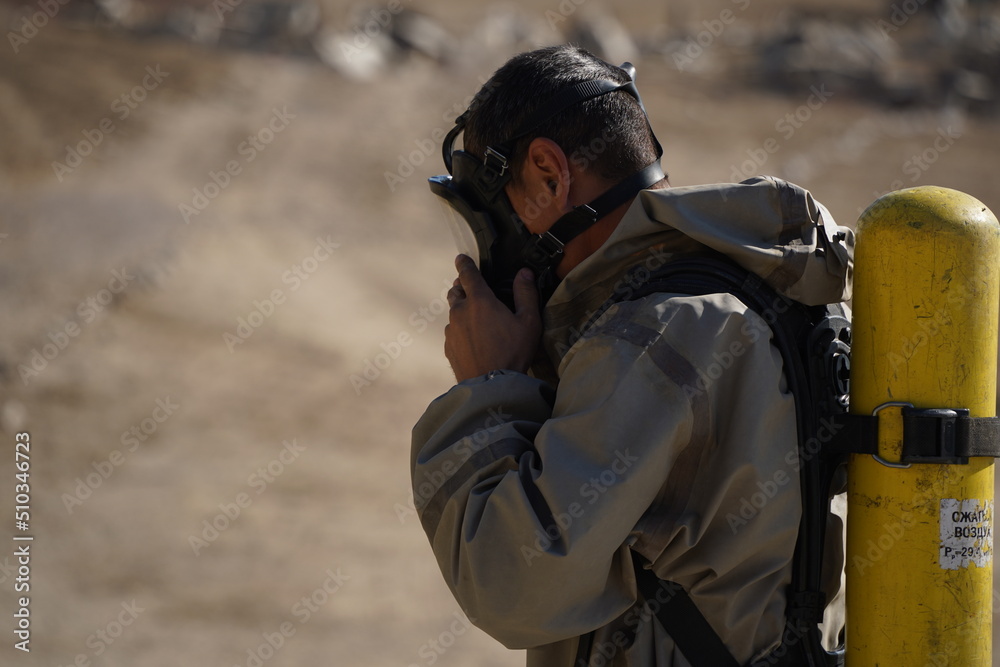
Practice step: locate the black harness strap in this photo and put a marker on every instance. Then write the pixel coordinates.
(681, 618)
(790, 325)
(930, 435)
(978, 436)
(543, 250)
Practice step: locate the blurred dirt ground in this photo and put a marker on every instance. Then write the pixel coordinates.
(233, 303)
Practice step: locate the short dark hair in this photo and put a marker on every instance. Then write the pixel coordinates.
(609, 133)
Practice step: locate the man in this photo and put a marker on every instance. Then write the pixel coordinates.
(662, 417)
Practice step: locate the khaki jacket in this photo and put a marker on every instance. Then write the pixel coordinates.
(668, 432)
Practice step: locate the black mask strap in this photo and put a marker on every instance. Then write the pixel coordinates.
(571, 96)
(496, 157)
(545, 250)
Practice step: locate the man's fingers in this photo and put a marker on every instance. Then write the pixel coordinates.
(482, 334)
(455, 294)
(468, 274)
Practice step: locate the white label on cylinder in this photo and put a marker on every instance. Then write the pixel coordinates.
(966, 533)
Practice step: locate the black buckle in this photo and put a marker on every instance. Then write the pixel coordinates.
(930, 435)
(495, 161)
(542, 252)
(546, 248)
(549, 245)
(493, 175)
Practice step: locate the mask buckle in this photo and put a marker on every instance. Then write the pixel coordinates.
(495, 161)
(542, 251)
(492, 175)
(550, 245)
(546, 248)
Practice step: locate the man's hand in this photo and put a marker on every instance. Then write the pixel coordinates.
(483, 335)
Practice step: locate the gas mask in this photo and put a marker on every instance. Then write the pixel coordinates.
(484, 223)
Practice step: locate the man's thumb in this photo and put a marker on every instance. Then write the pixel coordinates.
(525, 293)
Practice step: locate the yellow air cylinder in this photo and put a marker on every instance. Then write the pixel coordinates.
(919, 539)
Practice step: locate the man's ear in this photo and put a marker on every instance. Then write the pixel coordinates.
(543, 195)
(547, 165)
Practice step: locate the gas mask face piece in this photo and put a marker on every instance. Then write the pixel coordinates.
(482, 219)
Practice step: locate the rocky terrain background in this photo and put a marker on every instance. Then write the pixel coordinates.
(222, 279)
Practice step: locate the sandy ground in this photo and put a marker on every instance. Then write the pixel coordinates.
(189, 311)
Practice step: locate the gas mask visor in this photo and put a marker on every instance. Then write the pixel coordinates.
(480, 217)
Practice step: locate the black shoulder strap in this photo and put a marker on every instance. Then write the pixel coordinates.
(681, 618)
(790, 323)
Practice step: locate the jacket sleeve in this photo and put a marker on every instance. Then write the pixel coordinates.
(528, 495)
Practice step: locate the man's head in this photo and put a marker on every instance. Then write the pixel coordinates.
(555, 144)
(608, 135)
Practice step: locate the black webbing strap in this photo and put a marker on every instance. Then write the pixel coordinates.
(681, 618)
(978, 436)
(581, 92)
(567, 97)
(855, 434)
(566, 229)
(543, 250)
(684, 622)
(930, 435)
